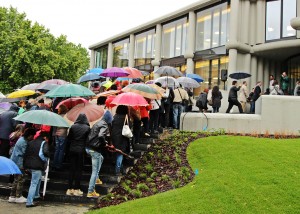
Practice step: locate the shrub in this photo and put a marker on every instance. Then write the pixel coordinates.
(153, 175)
(176, 183)
(133, 175)
(149, 167)
(136, 193)
(126, 187)
(165, 177)
(143, 176)
(149, 180)
(142, 187)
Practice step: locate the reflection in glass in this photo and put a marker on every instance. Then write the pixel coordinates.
(120, 53)
(202, 69)
(216, 29)
(289, 12)
(144, 45)
(273, 20)
(174, 38)
(101, 57)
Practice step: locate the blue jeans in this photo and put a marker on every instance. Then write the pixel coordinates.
(252, 107)
(119, 161)
(59, 152)
(34, 189)
(97, 160)
(177, 110)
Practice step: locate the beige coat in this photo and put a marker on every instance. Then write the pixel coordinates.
(243, 94)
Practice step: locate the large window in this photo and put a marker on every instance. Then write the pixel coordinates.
(144, 48)
(121, 50)
(211, 28)
(278, 16)
(174, 38)
(101, 57)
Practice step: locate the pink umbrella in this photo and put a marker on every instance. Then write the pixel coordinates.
(114, 72)
(130, 99)
(92, 111)
(133, 72)
(52, 81)
(71, 102)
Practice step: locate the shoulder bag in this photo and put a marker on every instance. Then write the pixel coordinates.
(126, 132)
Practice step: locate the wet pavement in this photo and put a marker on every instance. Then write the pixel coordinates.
(43, 208)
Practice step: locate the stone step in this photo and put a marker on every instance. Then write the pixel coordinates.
(141, 147)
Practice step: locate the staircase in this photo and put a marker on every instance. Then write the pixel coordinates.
(58, 183)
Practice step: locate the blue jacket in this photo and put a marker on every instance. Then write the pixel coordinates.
(19, 151)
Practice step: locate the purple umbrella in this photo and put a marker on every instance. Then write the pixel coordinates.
(114, 72)
(5, 105)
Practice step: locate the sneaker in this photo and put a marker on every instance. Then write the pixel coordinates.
(21, 200)
(70, 192)
(93, 194)
(98, 181)
(77, 192)
(12, 199)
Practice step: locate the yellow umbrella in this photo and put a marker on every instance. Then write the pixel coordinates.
(21, 93)
(107, 84)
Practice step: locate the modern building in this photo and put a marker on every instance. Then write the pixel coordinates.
(213, 38)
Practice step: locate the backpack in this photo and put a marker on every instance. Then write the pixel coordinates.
(201, 100)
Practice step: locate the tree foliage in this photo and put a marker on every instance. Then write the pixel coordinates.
(30, 53)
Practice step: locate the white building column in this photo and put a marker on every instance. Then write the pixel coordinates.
(246, 22)
(189, 54)
(253, 78)
(157, 58)
(247, 67)
(231, 65)
(266, 74)
(260, 21)
(252, 24)
(234, 21)
(92, 59)
(110, 55)
(131, 50)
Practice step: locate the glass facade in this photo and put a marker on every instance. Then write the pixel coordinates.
(278, 16)
(210, 71)
(101, 57)
(120, 53)
(211, 29)
(293, 72)
(174, 38)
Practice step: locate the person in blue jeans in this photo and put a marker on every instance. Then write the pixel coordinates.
(95, 146)
(34, 161)
(60, 134)
(179, 95)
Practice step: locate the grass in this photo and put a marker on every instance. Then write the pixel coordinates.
(236, 175)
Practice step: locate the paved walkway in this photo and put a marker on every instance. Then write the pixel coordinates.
(44, 208)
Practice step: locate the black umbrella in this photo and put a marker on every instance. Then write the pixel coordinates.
(239, 75)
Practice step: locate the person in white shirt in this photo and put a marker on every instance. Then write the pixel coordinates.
(243, 95)
(271, 82)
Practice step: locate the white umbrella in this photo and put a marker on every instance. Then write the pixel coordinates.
(2, 95)
(167, 81)
(188, 82)
(168, 70)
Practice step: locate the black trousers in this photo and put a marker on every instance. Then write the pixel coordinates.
(234, 103)
(76, 159)
(154, 118)
(4, 148)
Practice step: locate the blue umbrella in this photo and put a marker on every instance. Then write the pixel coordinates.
(195, 77)
(239, 75)
(96, 71)
(8, 167)
(89, 77)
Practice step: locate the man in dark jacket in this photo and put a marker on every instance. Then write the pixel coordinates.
(255, 96)
(233, 98)
(76, 140)
(7, 126)
(34, 160)
(95, 145)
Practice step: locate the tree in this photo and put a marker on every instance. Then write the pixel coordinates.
(30, 53)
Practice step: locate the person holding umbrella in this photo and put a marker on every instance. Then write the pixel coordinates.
(233, 98)
(17, 157)
(35, 158)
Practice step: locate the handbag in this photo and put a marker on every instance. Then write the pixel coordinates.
(210, 102)
(126, 132)
(184, 102)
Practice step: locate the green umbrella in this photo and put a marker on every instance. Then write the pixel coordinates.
(70, 90)
(42, 117)
(144, 90)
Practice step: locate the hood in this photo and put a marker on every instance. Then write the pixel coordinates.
(107, 117)
(82, 119)
(14, 108)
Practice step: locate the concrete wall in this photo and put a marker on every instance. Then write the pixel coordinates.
(274, 114)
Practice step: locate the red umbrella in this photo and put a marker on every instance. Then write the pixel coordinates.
(130, 99)
(92, 111)
(133, 72)
(71, 102)
(109, 100)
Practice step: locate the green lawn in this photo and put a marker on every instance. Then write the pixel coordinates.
(236, 175)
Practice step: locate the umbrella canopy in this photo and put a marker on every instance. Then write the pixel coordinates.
(130, 99)
(2, 95)
(42, 117)
(114, 72)
(109, 100)
(96, 70)
(5, 105)
(70, 90)
(239, 75)
(71, 102)
(145, 73)
(21, 93)
(133, 72)
(10, 100)
(188, 82)
(195, 77)
(8, 167)
(92, 111)
(168, 70)
(31, 86)
(150, 82)
(159, 89)
(108, 93)
(52, 81)
(46, 88)
(106, 84)
(144, 90)
(167, 81)
(89, 77)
